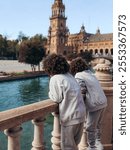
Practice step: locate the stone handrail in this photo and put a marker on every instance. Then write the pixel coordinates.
(19, 115)
(11, 121)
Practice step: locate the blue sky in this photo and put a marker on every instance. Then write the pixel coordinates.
(32, 16)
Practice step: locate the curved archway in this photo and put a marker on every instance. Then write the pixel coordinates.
(96, 51)
(81, 51)
(91, 51)
(106, 51)
(101, 51)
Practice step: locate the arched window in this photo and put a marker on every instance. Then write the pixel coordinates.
(81, 51)
(96, 51)
(91, 51)
(101, 51)
(106, 51)
(62, 40)
(54, 12)
(63, 13)
(48, 52)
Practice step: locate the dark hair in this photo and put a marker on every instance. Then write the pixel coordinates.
(78, 65)
(55, 64)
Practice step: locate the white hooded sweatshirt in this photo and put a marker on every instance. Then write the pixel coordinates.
(95, 98)
(64, 89)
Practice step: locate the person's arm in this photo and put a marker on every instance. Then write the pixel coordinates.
(55, 91)
(83, 87)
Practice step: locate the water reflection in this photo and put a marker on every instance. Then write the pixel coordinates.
(33, 90)
(18, 93)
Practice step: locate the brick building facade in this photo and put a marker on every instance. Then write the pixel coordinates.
(62, 42)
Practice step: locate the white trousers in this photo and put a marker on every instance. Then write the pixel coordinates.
(71, 136)
(93, 126)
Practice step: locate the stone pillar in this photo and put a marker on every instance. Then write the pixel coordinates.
(56, 133)
(13, 137)
(104, 75)
(38, 142)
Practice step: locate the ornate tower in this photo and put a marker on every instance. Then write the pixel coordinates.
(57, 34)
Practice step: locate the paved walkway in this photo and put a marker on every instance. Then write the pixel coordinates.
(14, 66)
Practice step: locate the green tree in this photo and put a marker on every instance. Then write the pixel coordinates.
(12, 49)
(22, 37)
(8, 48)
(3, 46)
(31, 52)
(39, 37)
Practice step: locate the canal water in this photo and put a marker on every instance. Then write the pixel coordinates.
(23, 92)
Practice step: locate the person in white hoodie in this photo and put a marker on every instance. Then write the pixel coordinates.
(64, 90)
(95, 101)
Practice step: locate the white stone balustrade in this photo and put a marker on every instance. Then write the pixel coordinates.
(11, 121)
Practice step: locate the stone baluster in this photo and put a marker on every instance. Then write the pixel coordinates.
(38, 141)
(13, 137)
(83, 142)
(56, 133)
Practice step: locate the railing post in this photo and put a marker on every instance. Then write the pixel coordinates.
(56, 143)
(38, 141)
(83, 143)
(13, 137)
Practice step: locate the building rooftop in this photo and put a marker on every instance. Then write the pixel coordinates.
(101, 37)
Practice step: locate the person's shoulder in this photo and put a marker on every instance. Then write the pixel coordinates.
(59, 77)
(78, 74)
(56, 76)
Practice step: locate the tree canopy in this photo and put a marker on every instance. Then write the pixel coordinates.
(31, 52)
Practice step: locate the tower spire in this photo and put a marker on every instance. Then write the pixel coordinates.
(58, 31)
(58, 8)
(58, 1)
